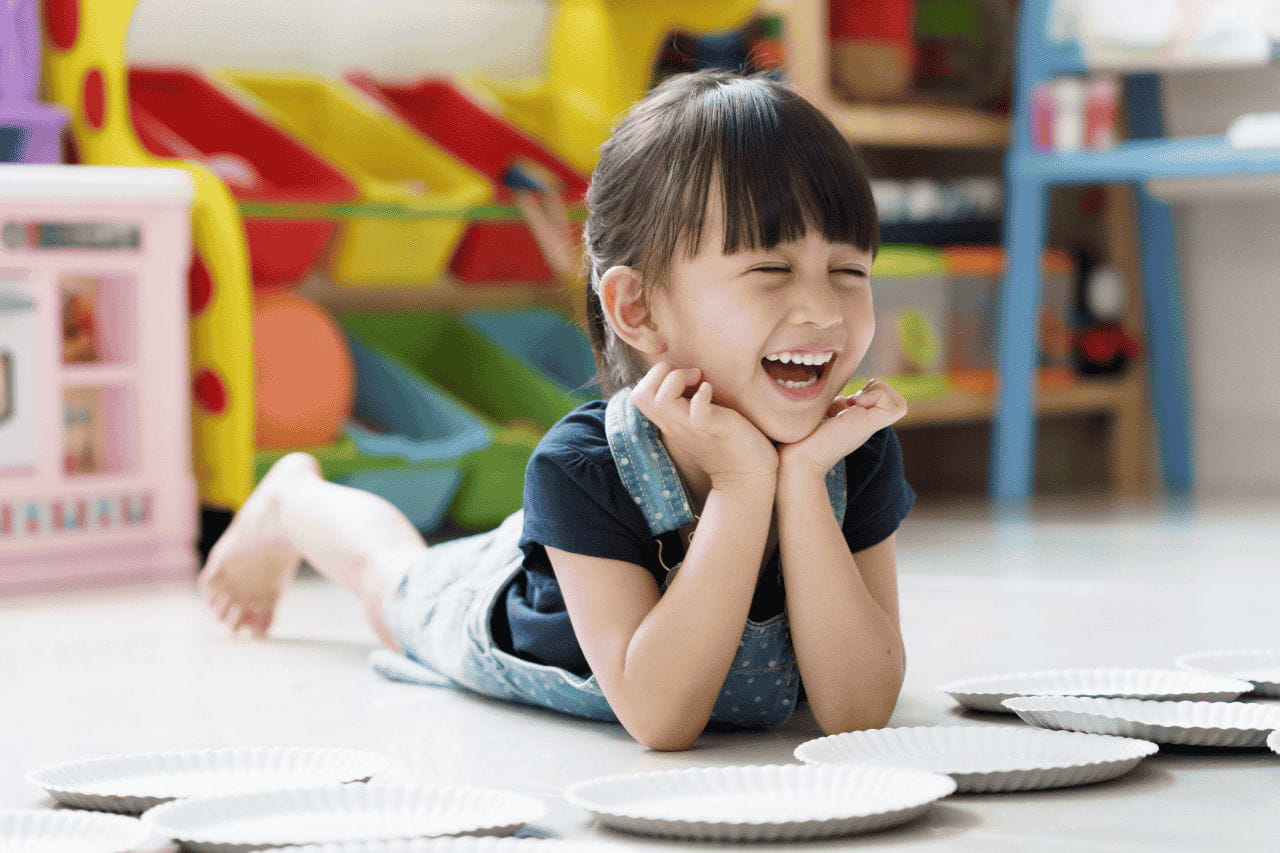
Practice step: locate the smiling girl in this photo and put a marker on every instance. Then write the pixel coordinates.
(715, 540)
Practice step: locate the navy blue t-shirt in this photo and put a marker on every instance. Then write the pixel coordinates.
(574, 500)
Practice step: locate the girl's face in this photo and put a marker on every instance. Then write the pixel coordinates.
(738, 316)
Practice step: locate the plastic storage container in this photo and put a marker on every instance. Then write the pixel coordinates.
(179, 113)
(489, 251)
(975, 273)
(389, 162)
(908, 286)
(516, 401)
(547, 341)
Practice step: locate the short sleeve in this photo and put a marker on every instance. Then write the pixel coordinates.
(573, 503)
(879, 495)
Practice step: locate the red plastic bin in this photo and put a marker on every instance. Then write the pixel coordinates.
(488, 251)
(179, 113)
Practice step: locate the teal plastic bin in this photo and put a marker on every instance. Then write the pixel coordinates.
(513, 401)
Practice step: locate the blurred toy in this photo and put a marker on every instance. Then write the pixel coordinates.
(30, 131)
(305, 380)
(765, 49)
(1103, 347)
(873, 49)
(84, 440)
(79, 319)
(965, 51)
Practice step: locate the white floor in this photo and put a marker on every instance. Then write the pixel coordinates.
(144, 669)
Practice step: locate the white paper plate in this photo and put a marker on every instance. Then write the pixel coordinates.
(1259, 666)
(48, 831)
(986, 693)
(243, 822)
(1189, 723)
(760, 803)
(1273, 741)
(456, 844)
(986, 759)
(134, 783)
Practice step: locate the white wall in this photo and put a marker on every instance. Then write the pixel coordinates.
(388, 38)
(1230, 254)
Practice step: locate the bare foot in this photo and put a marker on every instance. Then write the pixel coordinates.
(252, 562)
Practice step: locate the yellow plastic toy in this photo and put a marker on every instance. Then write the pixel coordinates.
(600, 61)
(85, 70)
(389, 162)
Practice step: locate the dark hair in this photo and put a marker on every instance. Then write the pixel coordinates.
(783, 169)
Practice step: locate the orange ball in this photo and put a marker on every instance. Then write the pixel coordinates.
(304, 378)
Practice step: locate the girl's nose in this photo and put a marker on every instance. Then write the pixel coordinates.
(817, 304)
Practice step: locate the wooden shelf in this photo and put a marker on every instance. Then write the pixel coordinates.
(446, 293)
(917, 125)
(1084, 397)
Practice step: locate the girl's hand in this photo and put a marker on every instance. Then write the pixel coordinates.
(850, 422)
(721, 442)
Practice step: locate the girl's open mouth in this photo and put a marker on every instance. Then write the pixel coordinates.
(795, 375)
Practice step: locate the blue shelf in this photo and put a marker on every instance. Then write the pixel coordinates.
(1149, 159)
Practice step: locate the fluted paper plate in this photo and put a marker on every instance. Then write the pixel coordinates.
(1188, 723)
(131, 784)
(48, 831)
(986, 759)
(339, 813)
(456, 844)
(1261, 667)
(760, 803)
(987, 693)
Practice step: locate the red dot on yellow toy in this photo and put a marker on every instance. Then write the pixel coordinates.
(304, 378)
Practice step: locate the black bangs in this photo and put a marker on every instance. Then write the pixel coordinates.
(783, 170)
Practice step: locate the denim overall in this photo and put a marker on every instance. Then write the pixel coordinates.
(442, 609)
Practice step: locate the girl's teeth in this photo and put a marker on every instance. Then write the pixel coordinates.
(787, 383)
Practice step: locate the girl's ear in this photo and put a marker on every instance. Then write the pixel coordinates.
(622, 298)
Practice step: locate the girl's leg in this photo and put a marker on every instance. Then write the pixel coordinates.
(354, 538)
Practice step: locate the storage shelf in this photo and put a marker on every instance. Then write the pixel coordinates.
(1189, 158)
(1083, 397)
(918, 125)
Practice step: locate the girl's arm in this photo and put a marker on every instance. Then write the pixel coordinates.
(661, 659)
(843, 609)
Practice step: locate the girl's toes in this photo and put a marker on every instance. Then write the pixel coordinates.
(258, 622)
(231, 616)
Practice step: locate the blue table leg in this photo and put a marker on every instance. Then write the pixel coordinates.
(1017, 330)
(1166, 342)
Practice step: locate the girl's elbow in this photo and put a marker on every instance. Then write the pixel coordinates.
(665, 741)
(861, 720)
(664, 738)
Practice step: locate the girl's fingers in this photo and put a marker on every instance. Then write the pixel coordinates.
(675, 382)
(700, 407)
(869, 399)
(647, 388)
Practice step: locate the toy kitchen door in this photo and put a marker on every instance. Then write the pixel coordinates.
(18, 346)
